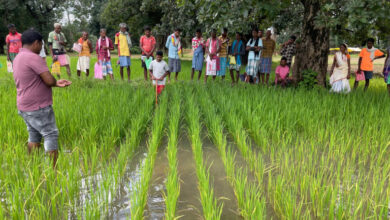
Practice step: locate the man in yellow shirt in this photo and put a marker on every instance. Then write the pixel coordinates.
(123, 43)
(366, 61)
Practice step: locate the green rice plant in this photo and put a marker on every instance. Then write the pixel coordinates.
(250, 201)
(236, 129)
(139, 197)
(172, 183)
(315, 155)
(211, 210)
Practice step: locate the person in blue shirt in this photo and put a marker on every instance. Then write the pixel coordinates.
(173, 45)
(237, 50)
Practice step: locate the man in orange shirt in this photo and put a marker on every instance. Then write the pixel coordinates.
(366, 60)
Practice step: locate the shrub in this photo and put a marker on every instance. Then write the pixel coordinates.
(309, 79)
(135, 50)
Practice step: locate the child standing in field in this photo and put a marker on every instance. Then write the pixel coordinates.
(158, 71)
(123, 43)
(281, 73)
(14, 43)
(173, 45)
(386, 70)
(213, 46)
(198, 50)
(103, 47)
(147, 44)
(366, 62)
(85, 54)
(34, 94)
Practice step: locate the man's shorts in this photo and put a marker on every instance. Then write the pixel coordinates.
(174, 65)
(42, 123)
(106, 67)
(265, 65)
(235, 67)
(124, 61)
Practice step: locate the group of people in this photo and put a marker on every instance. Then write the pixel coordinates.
(220, 54)
(224, 55)
(34, 81)
(341, 69)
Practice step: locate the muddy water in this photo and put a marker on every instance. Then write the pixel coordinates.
(222, 189)
(155, 207)
(188, 205)
(120, 205)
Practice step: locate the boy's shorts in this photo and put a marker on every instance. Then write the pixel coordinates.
(124, 61)
(160, 88)
(12, 56)
(42, 123)
(368, 74)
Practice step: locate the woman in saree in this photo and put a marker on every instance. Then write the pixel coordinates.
(212, 62)
(340, 72)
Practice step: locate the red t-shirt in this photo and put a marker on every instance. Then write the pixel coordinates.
(147, 43)
(14, 41)
(32, 93)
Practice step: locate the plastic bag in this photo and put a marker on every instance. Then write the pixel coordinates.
(148, 61)
(56, 68)
(232, 60)
(360, 76)
(98, 71)
(10, 69)
(77, 47)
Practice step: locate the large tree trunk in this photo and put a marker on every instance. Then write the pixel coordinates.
(313, 50)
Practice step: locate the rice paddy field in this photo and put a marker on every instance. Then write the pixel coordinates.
(206, 151)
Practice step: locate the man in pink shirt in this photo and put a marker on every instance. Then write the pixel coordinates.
(14, 42)
(34, 94)
(148, 44)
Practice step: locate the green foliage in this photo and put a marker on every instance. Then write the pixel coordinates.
(130, 12)
(309, 79)
(135, 50)
(39, 14)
